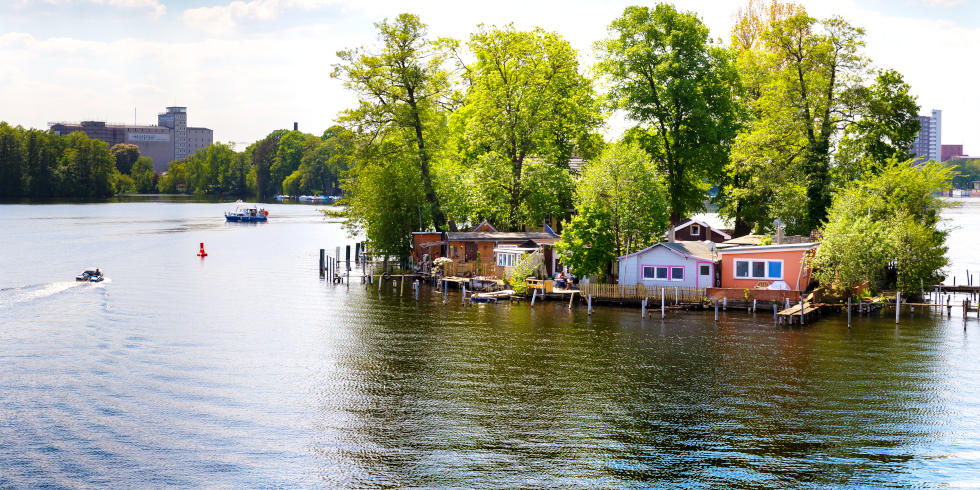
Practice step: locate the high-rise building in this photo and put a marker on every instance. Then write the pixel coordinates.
(928, 143)
(171, 139)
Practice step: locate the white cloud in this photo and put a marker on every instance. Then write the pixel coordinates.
(224, 19)
(153, 7)
(943, 3)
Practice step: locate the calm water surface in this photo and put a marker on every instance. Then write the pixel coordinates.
(244, 369)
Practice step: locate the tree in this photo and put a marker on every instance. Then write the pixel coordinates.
(11, 161)
(884, 127)
(527, 99)
(622, 207)
(42, 149)
(889, 220)
(402, 89)
(143, 175)
(385, 201)
(125, 155)
(681, 89)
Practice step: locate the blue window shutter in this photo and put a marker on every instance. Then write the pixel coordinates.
(775, 270)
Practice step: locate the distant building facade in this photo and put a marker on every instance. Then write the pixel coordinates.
(171, 139)
(928, 143)
(952, 151)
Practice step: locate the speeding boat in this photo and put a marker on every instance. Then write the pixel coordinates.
(247, 213)
(92, 274)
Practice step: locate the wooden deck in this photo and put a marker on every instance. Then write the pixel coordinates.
(791, 314)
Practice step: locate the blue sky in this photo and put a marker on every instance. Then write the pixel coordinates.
(247, 67)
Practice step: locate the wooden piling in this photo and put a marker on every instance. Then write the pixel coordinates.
(534, 296)
(716, 311)
(663, 303)
(753, 305)
(590, 304)
(848, 312)
(898, 306)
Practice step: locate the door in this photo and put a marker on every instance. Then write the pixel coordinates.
(706, 275)
(471, 249)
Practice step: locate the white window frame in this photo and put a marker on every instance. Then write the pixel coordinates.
(683, 269)
(695, 230)
(653, 272)
(505, 259)
(765, 276)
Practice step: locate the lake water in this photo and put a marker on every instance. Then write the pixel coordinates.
(245, 369)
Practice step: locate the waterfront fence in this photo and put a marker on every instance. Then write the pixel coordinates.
(471, 269)
(638, 292)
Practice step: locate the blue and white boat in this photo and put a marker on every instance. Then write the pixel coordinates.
(247, 213)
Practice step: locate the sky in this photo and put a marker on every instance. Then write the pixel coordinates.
(246, 67)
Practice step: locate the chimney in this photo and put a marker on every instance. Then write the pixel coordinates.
(295, 126)
(670, 234)
(779, 235)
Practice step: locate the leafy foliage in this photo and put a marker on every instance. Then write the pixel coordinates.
(681, 89)
(890, 220)
(622, 207)
(528, 105)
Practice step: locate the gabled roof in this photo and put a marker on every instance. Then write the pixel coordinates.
(484, 223)
(691, 249)
(541, 237)
(692, 221)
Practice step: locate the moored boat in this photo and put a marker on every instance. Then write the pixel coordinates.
(492, 297)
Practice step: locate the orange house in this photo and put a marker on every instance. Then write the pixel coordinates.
(770, 272)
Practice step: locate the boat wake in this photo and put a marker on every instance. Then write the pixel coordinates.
(23, 294)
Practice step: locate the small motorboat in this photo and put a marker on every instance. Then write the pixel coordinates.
(92, 274)
(247, 213)
(492, 297)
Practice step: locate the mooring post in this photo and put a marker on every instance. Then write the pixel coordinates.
(663, 303)
(445, 291)
(590, 304)
(716, 311)
(462, 299)
(571, 298)
(534, 296)
(848, 312)
(643, 308)
(322, 261)
(802, 310)
(898, 305)
(753, 305)
(775, 310)
(724, 303)
(949, 305)
(787, 303)
(677, 297)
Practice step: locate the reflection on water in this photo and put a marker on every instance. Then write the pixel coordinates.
(244, 369)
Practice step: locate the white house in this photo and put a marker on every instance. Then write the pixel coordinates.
(683, 264)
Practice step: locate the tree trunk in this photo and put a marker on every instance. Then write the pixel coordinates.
(438, 218)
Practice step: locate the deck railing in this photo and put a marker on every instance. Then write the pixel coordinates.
(470, 269)
(639, 291)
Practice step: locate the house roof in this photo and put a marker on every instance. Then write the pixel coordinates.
(751, 240)
(692, 221)
(541, 237)
(697, 250)
(770, 248)
(485, 222)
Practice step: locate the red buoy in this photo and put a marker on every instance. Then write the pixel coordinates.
(202, 253)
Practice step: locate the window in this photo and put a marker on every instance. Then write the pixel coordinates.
(506, 260)
(657, 272)
(705, 270)
(676, 273)
(758, 269)
(695, 230)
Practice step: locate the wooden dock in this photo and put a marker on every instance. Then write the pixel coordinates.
(800, 312)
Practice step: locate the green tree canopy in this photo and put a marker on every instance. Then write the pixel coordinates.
(891, 219)
(681, 89)
(403, 90)
(622, 207)
(527, 99)
(125, 155)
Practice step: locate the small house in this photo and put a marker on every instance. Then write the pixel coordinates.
(694, 230)
(767, 272)
(690, 264)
